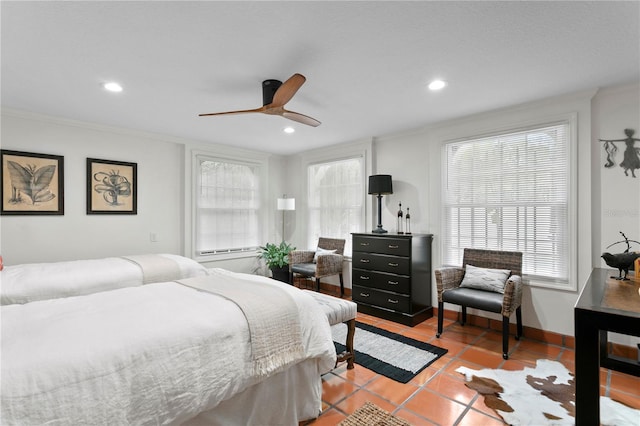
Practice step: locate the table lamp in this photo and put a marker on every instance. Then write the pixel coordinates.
(380, 185)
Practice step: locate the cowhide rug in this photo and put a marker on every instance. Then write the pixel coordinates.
(544, 395)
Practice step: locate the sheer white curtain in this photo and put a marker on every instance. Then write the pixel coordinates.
(511, 192)
(227, 206)
(335, 200)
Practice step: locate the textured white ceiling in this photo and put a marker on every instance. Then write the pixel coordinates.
(367, 63)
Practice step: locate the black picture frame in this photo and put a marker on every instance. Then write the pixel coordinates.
(32, 183)
(112, 187)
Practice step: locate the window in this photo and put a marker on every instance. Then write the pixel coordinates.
(511, 192)
(227, 206)
(336, 200)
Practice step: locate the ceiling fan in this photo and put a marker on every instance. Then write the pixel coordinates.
(275, 94)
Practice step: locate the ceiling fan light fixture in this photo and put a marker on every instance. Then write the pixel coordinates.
(112, 86)
(289, 130)
(437, 85)
(275, 95)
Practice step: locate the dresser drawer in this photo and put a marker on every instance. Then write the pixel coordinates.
(392, 246)
(382, 263)
(381, 280)
(383, 299)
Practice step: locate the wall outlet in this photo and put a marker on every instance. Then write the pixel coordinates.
(153, 237)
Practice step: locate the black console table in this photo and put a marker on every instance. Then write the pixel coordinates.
(605, 304)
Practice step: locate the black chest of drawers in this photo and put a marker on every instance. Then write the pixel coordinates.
(391, 276)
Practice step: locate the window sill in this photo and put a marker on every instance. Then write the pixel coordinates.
(226, 256)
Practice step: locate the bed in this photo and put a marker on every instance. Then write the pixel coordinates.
(200, 347)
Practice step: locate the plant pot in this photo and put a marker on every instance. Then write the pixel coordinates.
(280, 274)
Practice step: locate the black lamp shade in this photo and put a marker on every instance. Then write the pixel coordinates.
(380, 184)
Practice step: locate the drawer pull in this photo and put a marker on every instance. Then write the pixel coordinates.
(364, 244)
(392, 301)
(364, 278)
(364, 261)
(393, 247)
(391, 282)
(393, 264)
(364, 294)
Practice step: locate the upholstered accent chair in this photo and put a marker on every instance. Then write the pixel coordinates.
(325, 261)
(485, 270)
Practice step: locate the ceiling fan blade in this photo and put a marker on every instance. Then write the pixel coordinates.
(244, 111)
(286, 91)
(300, 118)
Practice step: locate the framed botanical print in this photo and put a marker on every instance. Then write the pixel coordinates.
(32, 184)
(112, 187)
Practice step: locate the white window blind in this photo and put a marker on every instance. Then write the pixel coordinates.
(228, 206)
(335, 200)
(511, 192)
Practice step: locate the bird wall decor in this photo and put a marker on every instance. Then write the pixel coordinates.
(622, 261)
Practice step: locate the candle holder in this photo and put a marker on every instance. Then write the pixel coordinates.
(399, 223)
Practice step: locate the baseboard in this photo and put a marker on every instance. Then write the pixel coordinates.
(624, 351)
(529, 332)
(549, 337)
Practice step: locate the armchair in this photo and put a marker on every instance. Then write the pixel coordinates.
(325, 261)
(505, 300)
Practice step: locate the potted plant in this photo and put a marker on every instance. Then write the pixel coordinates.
(276, 256)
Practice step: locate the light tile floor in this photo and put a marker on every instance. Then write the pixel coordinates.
(438, 395)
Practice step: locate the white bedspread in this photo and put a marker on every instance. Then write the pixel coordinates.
(156, 354)
(272, 316)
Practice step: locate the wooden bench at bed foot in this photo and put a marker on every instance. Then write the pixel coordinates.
(340, 311)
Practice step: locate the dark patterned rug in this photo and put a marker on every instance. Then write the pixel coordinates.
(395, 356)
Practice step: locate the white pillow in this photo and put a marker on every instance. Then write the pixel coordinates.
(485, 279)
(321, 252)
(188, 267)
(41, 281)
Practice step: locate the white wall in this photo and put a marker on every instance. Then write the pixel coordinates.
(76, 235)
(412, 158)
(415, 161)
(616, 197)
(616, 205)
(163, 196)
(608, 201)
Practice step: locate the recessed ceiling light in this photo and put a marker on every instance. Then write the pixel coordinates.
(437, 85)
(112, 87)
(289, 129)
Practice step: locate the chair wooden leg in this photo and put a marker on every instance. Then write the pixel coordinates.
(341, 286)
(351, 331)
(518, 322)
(464, 316)
(505, 337)
(440, 318)
(318, 284)
(290, 277)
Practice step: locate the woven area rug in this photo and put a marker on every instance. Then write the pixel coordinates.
(395, 356)
(543, 395)
(372, 415)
